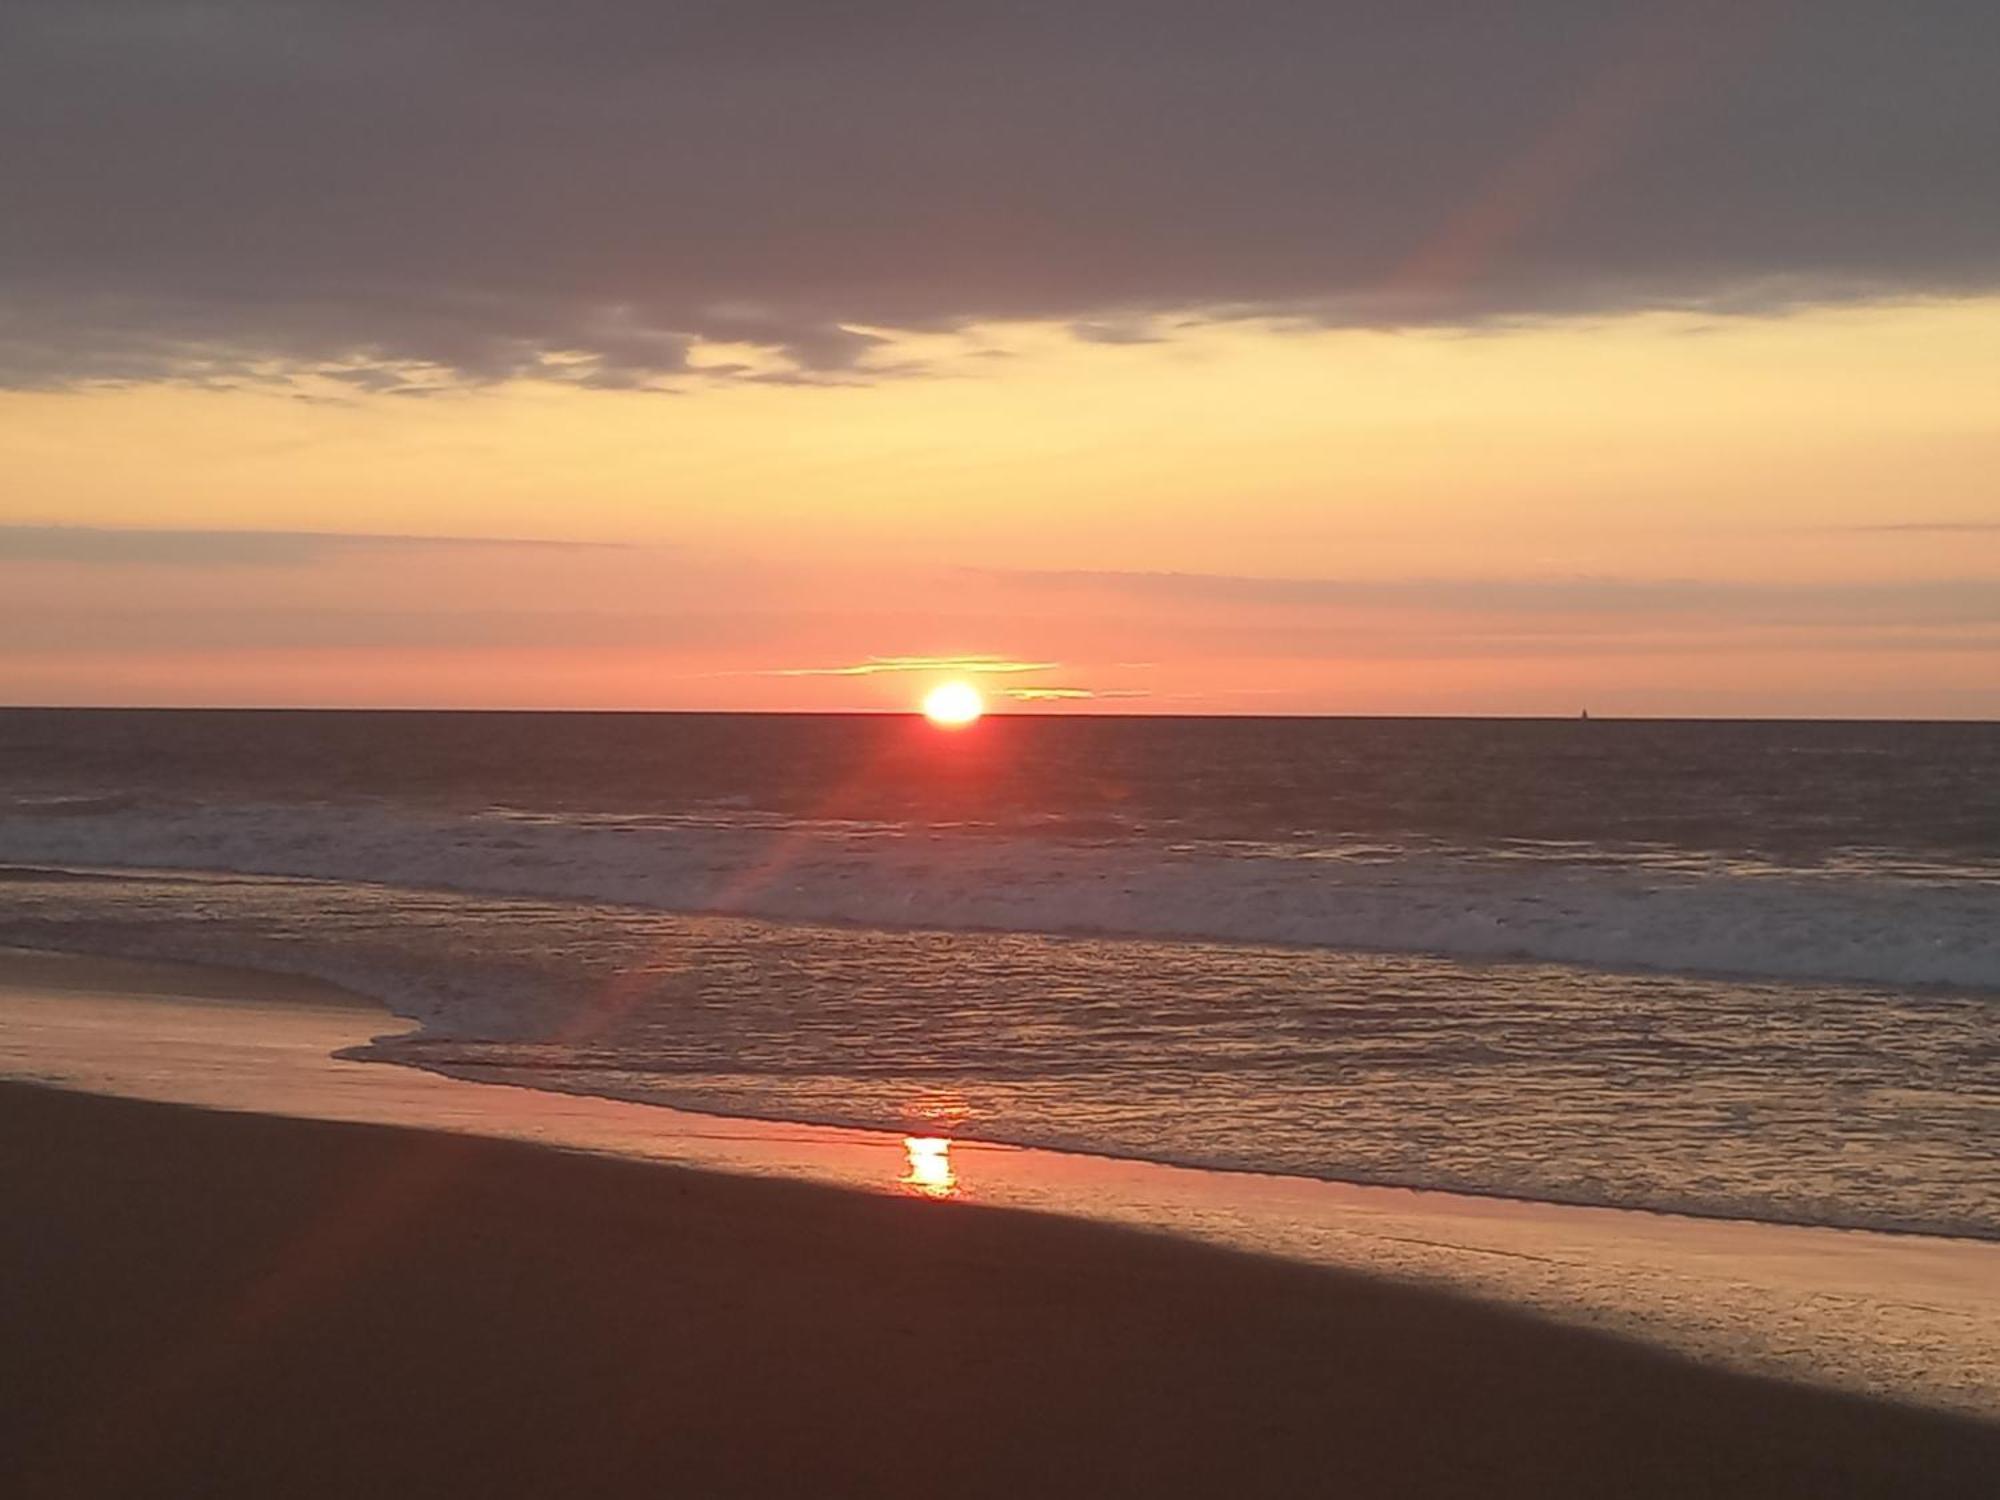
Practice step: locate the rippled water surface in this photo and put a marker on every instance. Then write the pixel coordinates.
(1809, 1102)
(1796, 792)
(1737, 968)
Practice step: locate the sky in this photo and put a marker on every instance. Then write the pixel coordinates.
(1259, 357)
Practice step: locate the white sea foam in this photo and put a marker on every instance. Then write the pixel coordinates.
(1939, 928)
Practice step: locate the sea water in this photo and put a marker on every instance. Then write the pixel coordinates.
(1728, 968)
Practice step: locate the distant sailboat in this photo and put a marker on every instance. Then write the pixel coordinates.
(1584, 715)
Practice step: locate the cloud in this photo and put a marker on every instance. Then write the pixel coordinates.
(876, 665)
(420, 195)
(251, 630)
(1931, 528)
(1069, 694)
(147, 632)
(197, 548)
(1920, 602)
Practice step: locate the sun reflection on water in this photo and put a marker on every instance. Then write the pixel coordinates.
(929, 1170)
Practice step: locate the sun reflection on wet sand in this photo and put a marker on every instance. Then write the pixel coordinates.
(929, 1166)
(1909, 1315)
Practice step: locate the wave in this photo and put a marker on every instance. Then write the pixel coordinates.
(1807, 1103)
(1573, 907)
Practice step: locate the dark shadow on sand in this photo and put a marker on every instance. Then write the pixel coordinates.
(197, 1303)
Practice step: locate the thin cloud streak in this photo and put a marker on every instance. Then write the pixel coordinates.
(1070, 694)
(1926, 528)
(228, 547)
(876, 665)
(1931, 601)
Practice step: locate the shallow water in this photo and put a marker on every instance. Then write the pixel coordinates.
(1800, 1102)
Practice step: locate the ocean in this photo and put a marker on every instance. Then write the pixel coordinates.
(1738, 969)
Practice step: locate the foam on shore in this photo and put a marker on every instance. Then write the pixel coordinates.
(1865, 920)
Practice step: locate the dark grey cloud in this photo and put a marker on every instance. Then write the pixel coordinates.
(221, 548)
(1921, 603)
(426, 190)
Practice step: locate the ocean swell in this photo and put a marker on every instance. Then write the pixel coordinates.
(1576, 907)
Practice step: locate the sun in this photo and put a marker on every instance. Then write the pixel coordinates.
(953, 705)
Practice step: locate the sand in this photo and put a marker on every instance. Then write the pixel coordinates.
(210, 1300)
(220, 1304)
(1902, 1317)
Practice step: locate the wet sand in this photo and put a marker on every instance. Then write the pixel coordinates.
(1900, 1317)
(225, 1304)
(213, 1300)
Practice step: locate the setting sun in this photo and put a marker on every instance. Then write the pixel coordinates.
(953, 705)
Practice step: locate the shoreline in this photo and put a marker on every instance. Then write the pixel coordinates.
(1906, 1316)
(266, 984)
(1220, 1169)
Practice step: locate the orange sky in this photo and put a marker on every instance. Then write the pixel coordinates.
(1654, 514)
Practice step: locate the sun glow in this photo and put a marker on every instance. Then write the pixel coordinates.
(952, 705)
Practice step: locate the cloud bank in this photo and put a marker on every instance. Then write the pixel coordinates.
(417, 194)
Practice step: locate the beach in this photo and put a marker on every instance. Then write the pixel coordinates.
(229, 1304)
(220, 1301)
(1118, 750)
